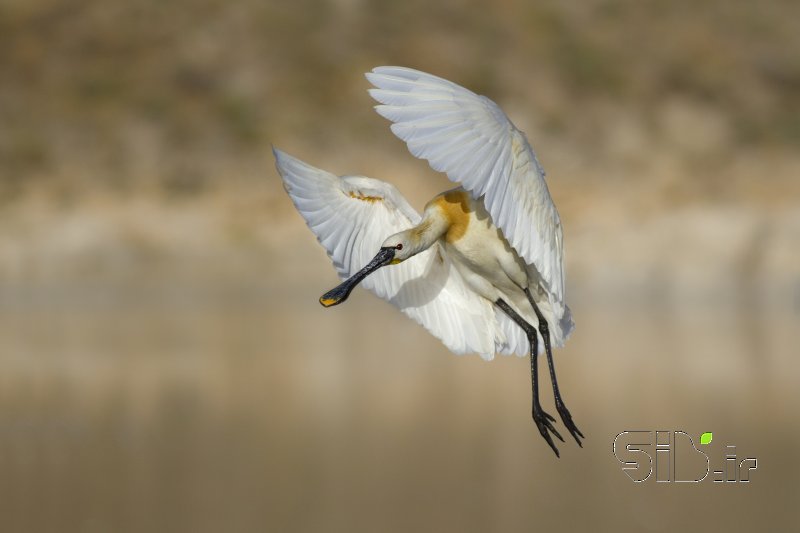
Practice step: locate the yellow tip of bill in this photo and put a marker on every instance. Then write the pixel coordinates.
(327, 302)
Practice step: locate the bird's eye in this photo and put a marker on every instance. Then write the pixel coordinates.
(399, 247)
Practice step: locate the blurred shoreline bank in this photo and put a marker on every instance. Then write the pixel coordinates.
(246, 241)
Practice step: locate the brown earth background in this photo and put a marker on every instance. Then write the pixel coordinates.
(165, 365)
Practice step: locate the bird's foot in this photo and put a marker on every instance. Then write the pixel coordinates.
(545, 424)
(566, 417)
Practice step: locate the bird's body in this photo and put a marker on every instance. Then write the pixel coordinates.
(480, 253)
(483, 263)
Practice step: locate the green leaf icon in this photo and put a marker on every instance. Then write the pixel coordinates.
(706, 437)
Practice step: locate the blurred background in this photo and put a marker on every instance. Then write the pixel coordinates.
(165, 365)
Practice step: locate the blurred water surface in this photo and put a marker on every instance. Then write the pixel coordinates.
(193, 410)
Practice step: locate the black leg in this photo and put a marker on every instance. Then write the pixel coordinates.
(566, 417)
(542, 419)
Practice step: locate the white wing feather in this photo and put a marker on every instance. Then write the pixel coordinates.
(468, 137)
(352, 216)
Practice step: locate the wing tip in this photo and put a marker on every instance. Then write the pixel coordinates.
(282, 159)
(383, 70)
(291, 169)
(378, 73)
(375, 93)
(389, 73)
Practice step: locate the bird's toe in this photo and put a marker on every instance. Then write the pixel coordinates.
(566, 418)
(544, 422)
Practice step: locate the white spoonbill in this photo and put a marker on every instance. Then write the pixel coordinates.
(483, 263)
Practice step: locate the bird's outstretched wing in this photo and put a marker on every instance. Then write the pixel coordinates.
(468, 137)
(352, 216)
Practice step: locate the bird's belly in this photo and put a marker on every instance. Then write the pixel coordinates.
(479, 251)
(486, 261)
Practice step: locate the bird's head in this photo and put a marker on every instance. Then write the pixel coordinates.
(394, 250)
(402, 244)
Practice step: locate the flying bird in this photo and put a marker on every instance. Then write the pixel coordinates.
(482, 267)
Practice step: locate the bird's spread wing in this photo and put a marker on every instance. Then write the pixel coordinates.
(352, 216)
(468, 137)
